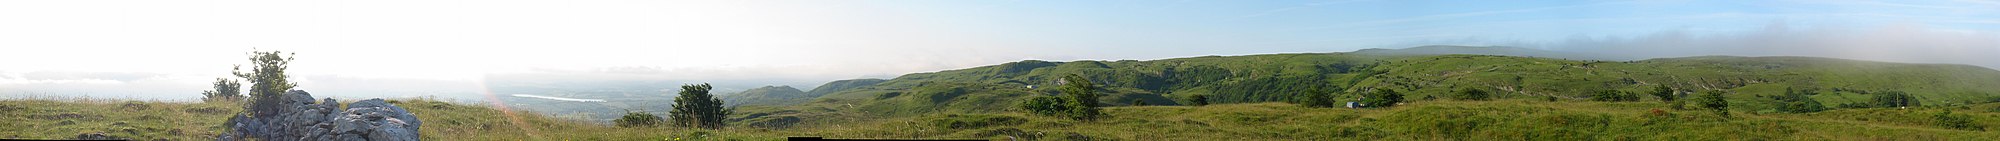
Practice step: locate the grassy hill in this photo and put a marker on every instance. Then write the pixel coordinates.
(1423, 120)
(842, 85)
(1283, 77)
(1747, 82)
(767, 95)
(786, 95)
(1538, 98)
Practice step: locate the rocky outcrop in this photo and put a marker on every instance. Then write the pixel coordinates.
(303, 119)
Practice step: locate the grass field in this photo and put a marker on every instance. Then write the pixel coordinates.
(1517, 119)
(1537, 99)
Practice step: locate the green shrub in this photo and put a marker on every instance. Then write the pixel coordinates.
(695, 107)
(1471, 94)
(1079, 102)
(1315, 98)
(1613, 96)
(268, 81)
(1955, 121)
(1045, 105)
(637, 119)
(1664, 93)
(1382, 98)
(1796, 101)
(1893, 99)
(1713, 100)
(225, 90)
(1081, 96)
(1198, 100)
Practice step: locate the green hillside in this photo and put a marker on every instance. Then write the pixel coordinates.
(1535, 99)
(842, 85)
(1282, 77)
(1748, 82)
(768, 95)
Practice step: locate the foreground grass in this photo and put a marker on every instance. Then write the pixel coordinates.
(51, 118)
(1423, 120)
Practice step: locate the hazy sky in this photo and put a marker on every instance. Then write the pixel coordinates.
(190, 42)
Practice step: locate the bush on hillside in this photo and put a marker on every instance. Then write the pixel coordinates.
(1198, 100)
(1892, 99)
(1079, 101)
(1714, 101)
(1045, 105)
(695, 107)
(1471, 94)
(1664, 93)
(1613, 96)
(225, 90)
(1315, 98)
(1796, 101)
(1382, 98)
(637, 119)
(1956, 121)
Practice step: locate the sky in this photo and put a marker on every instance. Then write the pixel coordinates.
(167, 46)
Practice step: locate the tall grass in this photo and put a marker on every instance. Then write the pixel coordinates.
(1507, 119)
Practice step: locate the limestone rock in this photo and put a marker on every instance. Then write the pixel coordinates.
(305, 119)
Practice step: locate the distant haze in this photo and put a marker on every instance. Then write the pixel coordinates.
(1908, 43)
(171, 49)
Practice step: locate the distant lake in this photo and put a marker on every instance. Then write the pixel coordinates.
(558, 98)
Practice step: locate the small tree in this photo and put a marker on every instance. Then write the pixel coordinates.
(1382, 98)
(696, 108)
(1082, 97)
(1892, 99)
(1315, 98)
(1138, 102)
(267, 81)
(225, 90)
(1713, 100)
(1471, 94)
(1045, 105)
(637, 119)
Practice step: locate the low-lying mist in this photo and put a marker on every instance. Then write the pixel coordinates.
(1909, 43)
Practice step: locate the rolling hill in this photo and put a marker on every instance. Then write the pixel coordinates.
(1283, 77)
(1536, 99)
(767, 95)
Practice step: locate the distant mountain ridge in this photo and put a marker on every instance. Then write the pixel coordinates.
(841, 85)
(1488, 50)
